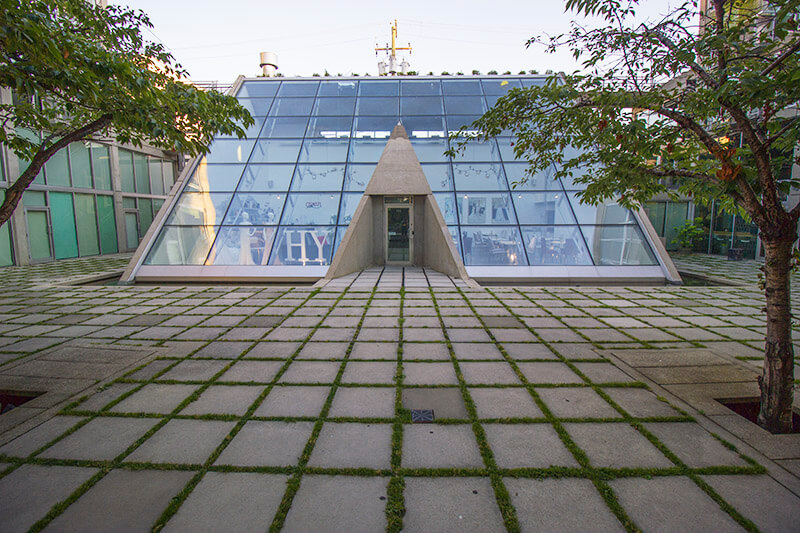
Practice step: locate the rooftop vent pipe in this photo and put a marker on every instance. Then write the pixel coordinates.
(269, 62)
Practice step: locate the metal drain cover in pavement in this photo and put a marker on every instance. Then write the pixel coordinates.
(421, 416)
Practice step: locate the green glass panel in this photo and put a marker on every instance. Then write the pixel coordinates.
(131, 231)
(156, 177)
(169, 175)
(129, 203)
(142, 174)
(126, 171)
(157, 206)
(145, 215)
(23, 163)
(33, 199)
(38, 235)
(62, 212)
(108, 224)
(87, 224)
(675, 216)
(80, 161)
(57, 169)
(101, 167)
(6, 258)
(655, 212)
(2, 167)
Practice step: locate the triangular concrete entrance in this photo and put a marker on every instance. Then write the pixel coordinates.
(398, 174)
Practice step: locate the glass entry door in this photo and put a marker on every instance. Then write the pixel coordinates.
(398, 235)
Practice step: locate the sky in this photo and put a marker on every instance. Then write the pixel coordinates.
(219, 40)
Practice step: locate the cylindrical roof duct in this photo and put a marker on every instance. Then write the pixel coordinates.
(269, 63)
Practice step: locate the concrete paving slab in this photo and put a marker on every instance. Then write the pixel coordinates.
(468, 335)
(311, 372)
(476, 350)
(122, 501)
(548, 373)
(374, 350)
(35, 438)
(504, 403)
(100, 399)
(192, 370)
(528, 350)
(451, 504)
(640, 402)
(527, 446)
(603, 373)
(369, 372)
(259, 371)
(576, 403)
(282, 333)
(668, 504)
(662, 358)
(333, 334)
(364, 402)
(616, 445)
(324, 350)
(767, 503)
(267, 444)
(349, 445)
(513, 335)
(378, 334)
(412, 334)
(223, 349)
(294, 401)
(727, 373)
(564, 505)
(499, 373)
(281, 350)
(182, 441)
(445, 402)
(151, 369)
(425, 350)
(429, 374)
(435, 446)
(694, 445)
(338, 503)
(155, 398)
(224, 502)
(224, 400)
(28, 493)
(101, 439)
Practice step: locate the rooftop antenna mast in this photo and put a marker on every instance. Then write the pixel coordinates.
(391, 69)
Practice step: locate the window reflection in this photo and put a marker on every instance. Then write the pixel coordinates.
(484, 208)
(276, 151)
(500, 86)
(430, 150)
(420, 88)
(618, 245)
(607, 212)
(199, 209)
(377, 106)
(311, 209)
(479, 177)
(182, 246)
(559, 245)
(349, 205)
(284, 127)
(479, 151)
(492, 246)
(298, 88)
(242, 246)
(229, 151)
(338, 88)
(423, 127)
(318, 178)
(366, 151)
(334, 106)
(303, 246)
(358, 176)
(439, 176)
(248, 209)
(330, 127)
(291, 107)
(374, 127)
(378, 88)
(544, 180)
(543, 208)
(214, 178)
(464, 105)
(421, 105)
(323, 151)
(266, 178)
(447, 205)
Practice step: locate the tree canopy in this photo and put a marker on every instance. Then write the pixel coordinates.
(78, 70)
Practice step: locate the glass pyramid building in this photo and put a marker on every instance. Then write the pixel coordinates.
(276, 204)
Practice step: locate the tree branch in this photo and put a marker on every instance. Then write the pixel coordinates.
(786, 127)
(781, 58)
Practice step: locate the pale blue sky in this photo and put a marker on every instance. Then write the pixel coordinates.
(218, 40)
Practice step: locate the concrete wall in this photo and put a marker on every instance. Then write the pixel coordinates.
(379, 231)
(439, 250)
(357, 242)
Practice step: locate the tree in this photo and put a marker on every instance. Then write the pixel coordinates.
(658, 102)
(77, 71)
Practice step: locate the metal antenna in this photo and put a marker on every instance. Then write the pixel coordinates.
(391, 68)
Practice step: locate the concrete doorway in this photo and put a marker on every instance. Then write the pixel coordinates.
(399, 230)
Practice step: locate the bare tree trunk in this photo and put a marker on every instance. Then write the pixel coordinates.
(777, 379)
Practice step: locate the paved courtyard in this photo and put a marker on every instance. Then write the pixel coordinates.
(240, 408)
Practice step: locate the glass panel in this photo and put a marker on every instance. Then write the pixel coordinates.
(259, 209)
(420, 88)
(357, 177)
(378, 88)
(439, 176)
(456, 122)
(464, 105)
(87, 224)
(242, 246)
(745, 237)
(108, 224)
(447, 205)
(337, 88)
(324, 151)
(257, 107)
(377, 106)
(62, 211)
(506, 145)
(214, 178)
(423, 127)
(374, 127)
(479, 177)
(569, 181)
(182, 246)
(656, 212)
(366, 151)
(542, 181)
(330, 127)
(129, 203)
(156, 176)
(340, 231)
(157, 203)
(543, 208)
(492, 246)
(6, 258)
(557, 245)
(266, 178)
(421, 105)
(303, 246)
(33, 198)
(334, 106)
(618, 245)
(311, 209)
(479, 151)
(38, 234)
(430, 150)
(461, 87)
(57, 169)
(199, 209)
(292, 107)
(349, 204)
(258, 88)
(536, 82)
(500, 86)
(142, 173)
(81, 164)
(101, 166)
(484, 208)
(169, 175)
(284, 127)
(454, 235)
(397, 234)
(274, 151)
(298, 88)
(145, 215)
(607, 212)
(723, 228)
(250, 131)
(318, 178)
(675, 216)
(131, 230)
(229, 151)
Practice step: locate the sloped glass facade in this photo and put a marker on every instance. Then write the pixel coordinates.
(286, 193)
